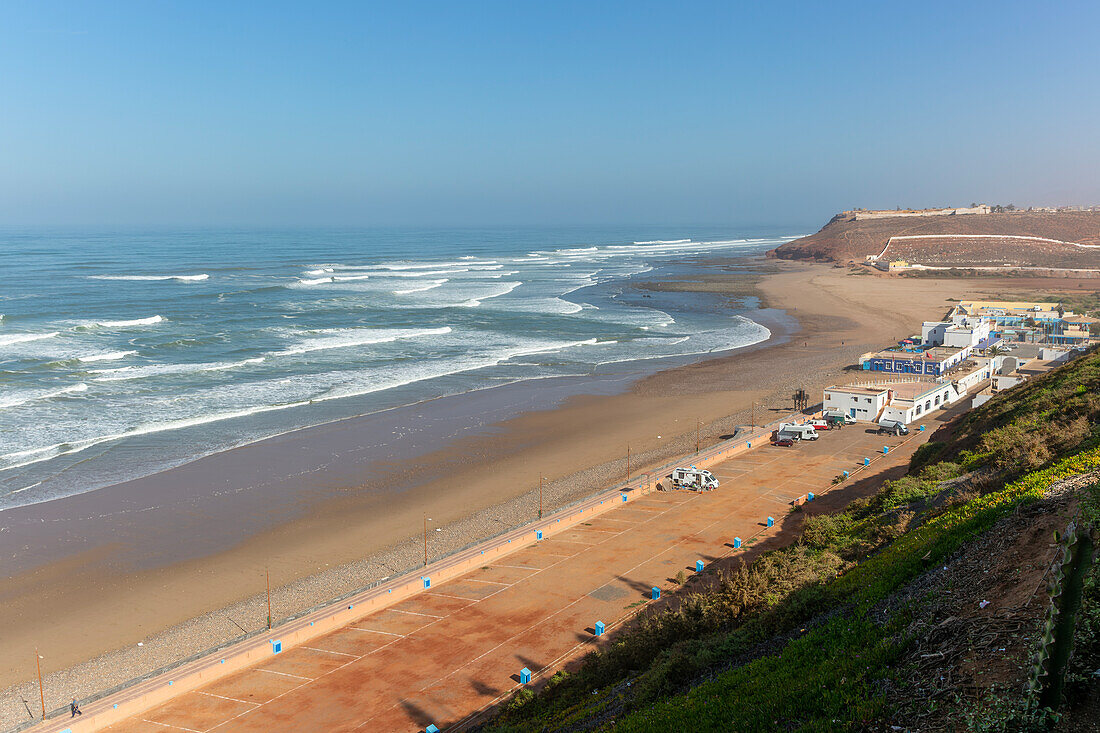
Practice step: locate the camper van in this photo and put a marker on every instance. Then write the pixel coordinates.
(803, 432)
(694, 479)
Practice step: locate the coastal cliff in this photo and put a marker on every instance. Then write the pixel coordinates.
(852, 236)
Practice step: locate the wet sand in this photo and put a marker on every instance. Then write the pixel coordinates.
(190, 573)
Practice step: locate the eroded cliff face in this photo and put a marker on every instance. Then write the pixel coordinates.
(846, 238)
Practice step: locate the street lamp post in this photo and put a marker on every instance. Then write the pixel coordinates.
(426, 520)
(41, 689)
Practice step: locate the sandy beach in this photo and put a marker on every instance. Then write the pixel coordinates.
(102, 584)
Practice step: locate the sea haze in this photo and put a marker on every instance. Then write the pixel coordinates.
(122, 354)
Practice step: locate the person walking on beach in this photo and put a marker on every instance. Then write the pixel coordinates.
(74, 709)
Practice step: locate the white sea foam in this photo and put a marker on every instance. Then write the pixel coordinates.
(419, 273)
(421, 288)
(126, 324)
(159, 370)
(549, 348)
(181, 278)
(359, 337)
(504, 289)
(666, 241)
(45, 453)
(106, 356)
(22, 398)
(320, 271)
(312, 281)
(349, 278)
(20, 338)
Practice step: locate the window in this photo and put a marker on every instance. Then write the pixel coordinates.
(918, 409)
(867, 399)
(928, 405)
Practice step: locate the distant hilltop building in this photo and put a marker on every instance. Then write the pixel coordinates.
(862, 214)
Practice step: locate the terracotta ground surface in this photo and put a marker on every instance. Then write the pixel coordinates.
(443, 656)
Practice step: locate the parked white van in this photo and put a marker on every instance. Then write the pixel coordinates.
(802, 432)
(693, 478)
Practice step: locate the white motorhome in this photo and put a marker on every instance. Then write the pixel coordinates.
(693, 478)
(800, 432)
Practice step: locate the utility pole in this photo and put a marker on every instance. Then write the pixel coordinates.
(540, 496)
(628, 463)
(425, 540)
(698, 424)
(267, 574)
(41, 690)
(753, 418)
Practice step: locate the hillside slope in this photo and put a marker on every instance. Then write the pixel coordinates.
(844, 238)
(920, 608)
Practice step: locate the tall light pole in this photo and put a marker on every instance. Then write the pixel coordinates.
(540, 496)
(628, 463)
(426, 520)
(267, 576)
(698, 424)
(41, 690)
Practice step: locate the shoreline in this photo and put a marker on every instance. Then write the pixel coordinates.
(342, 544)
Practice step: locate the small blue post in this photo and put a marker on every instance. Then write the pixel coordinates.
(698, 566)
(525, 676)
(736, 542)
(866, 461)
(276, 646)
(624, 497)
(538, 534)
(885, 449)
(750, 444)
(921, 428)
(656, 592)
(810, 494)
(771, 521)
(599, 628)
(431, 729)
(427, 581)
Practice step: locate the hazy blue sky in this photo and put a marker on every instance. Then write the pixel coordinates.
(556, 112)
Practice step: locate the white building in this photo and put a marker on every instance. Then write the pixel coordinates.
(961, 332)
(901, 401)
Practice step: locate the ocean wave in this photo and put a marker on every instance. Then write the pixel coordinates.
(550, 348)
(45, 453)
(20, 338)
(322, 271)
(359, 337)
(125, 324)
(551, 305)
(311, 281)
(349, 278)
(665, 241)
(14, 400)
(419, 273)
(504, 290)
(106, 356)
(421, 288)
(425, 265)
(150, 278)
(123, 374)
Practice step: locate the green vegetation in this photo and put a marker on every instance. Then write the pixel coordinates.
(807, 638)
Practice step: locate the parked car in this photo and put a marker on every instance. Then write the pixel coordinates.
(783, 442)
(820, 424)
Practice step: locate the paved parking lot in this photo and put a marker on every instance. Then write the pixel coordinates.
(449, 652)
